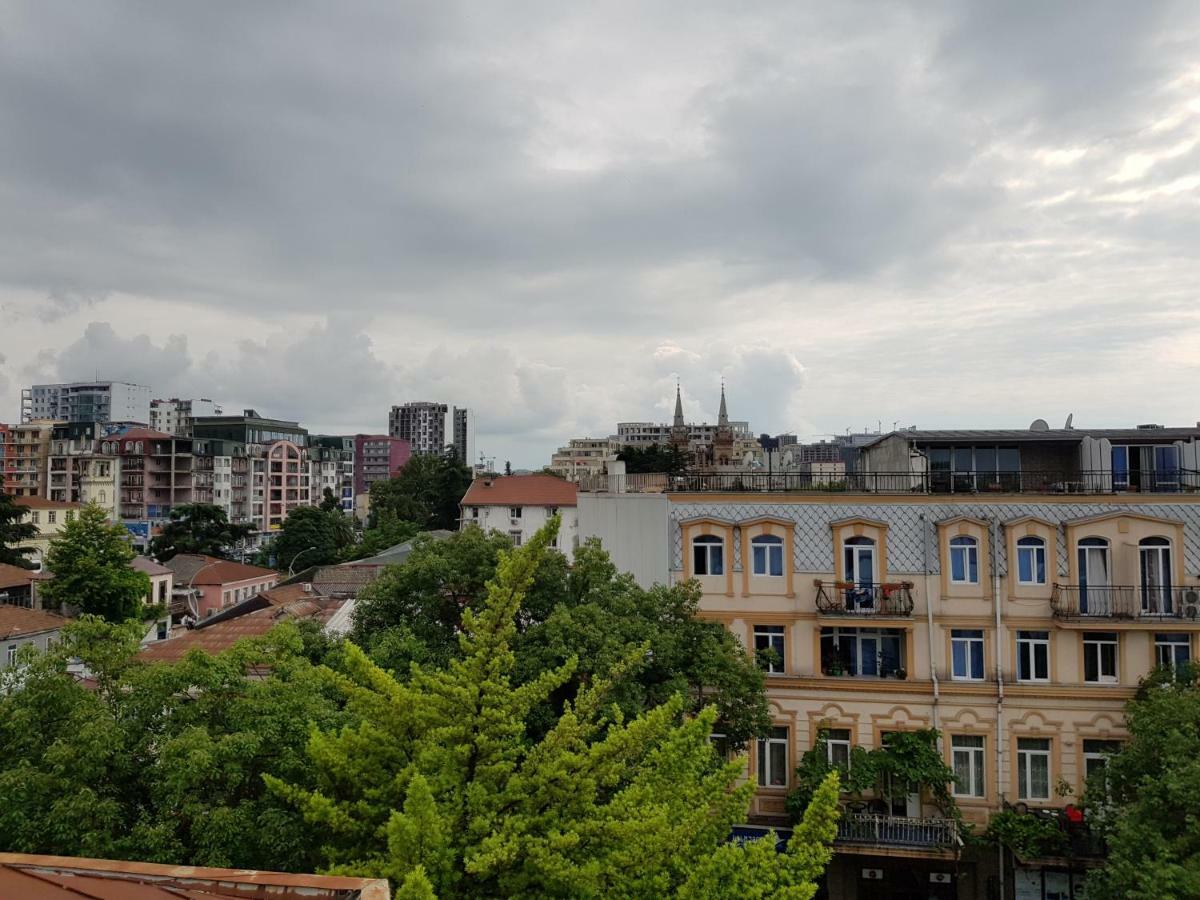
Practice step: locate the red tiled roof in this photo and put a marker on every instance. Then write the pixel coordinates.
(223, 635)
(15, 576)
(149, 566)
(16, 621)
(43, 503)
(211, 570)
(141, 434)
(52, 877)
(521, 490)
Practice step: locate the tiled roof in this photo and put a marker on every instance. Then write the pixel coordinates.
(149, 566)
(16, 621)
(52, 877)
(211, 570)
(15, 576)
(224, 634)
(142, 434)
(521, 490)
(43, 503)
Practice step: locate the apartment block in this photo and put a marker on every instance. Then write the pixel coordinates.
(584, 457)
(333, 461)
(87, 402)
(26, 458)
(176, 416)
(463, 439)
(422, 424)
(377, 457)
(1007, 588)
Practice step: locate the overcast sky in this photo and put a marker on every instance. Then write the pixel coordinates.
(943, 214)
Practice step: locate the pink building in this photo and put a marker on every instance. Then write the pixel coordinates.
(377, 457)
(219, 582)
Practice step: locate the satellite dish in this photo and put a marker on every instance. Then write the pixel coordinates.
(1070, 419)
(1039, 425)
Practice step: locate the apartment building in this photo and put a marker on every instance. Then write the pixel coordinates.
(177, 416)
(518, 505)
(422, 424)
(49, 517)
(463, 437)
(26, 457)
(87, 402)
(584, 457)
(1008, 589)
(377, 457)
(334, 463)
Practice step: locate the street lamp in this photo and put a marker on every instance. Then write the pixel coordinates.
(292, 567)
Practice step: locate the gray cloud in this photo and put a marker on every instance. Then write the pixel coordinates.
(319, 212)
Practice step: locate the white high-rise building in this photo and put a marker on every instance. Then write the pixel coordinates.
(176, 416)
(422, 424)
(87, 402)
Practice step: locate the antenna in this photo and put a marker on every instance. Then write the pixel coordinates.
(1070, 419)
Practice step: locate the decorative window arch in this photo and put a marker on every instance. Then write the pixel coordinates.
(708, 555)
(964, 559)
(766, 553)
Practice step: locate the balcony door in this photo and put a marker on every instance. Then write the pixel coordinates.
(1155, 559)
(859, 560)
(1095, 579)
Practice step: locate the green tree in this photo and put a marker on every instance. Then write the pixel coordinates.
(387, 532)
(329, 502)
(311, 536)
(14, 530)
(414, 613)
(162, 763)
(91, 560)
(426, 492)
(656, 458)
(201, 528)
(1144, 801)
(440, 783)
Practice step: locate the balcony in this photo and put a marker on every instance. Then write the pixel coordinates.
(1125, 602)
(844, 598)
(861, 829)
(1180, 481)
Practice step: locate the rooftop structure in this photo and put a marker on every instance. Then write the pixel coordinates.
(87, 402)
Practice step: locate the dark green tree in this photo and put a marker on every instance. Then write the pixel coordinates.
(91, 560)
(414, 613)
(201, 528)
(14, 530)
(426, 492)
(656, 458)
(1144, 801)
(387, 532)
(329, 502)
(311, 536)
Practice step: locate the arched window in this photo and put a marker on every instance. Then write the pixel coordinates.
(708, 555)
(964, 560)
(859, 558)
(1155, 564)
(1095, 579)
(766, 553)
(1031, 560)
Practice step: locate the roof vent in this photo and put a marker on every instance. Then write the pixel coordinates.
(487, 482)
(1149, 427)
(1039, 425)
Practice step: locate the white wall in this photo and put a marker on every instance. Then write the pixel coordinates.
(499, 518)
(633, 529)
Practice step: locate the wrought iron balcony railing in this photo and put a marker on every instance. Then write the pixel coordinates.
(870, 829)
(844, 598)
(1124, 601)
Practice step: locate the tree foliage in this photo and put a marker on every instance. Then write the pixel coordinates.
(587, 611)
(311, 536)
(201, 528)
(387, 532)
(655, 458)
(14, 530)
(426, 492)
(91, 560)
(1145, 800)
(439, 788)
(162, 763)
(330, 502)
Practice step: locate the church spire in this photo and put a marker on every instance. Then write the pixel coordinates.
(678, 407)
(723, 415)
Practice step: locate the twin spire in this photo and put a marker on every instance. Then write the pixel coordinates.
(722, 416)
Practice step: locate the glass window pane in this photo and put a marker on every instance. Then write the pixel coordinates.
(957, 565)
(776, 560)
(778, 763)
(716, 560)
(1025, 565)
(960, 659)
(760, 559)
(977, 660)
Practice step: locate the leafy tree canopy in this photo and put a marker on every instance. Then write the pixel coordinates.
(587, 611)
(161, 763)
(310, 536)
(1144, 801)
(329, 502)
(14, 530)
(655, 458)
(426, 492)
(198, 528)
(387, 532)
(439, 788)
(91, 560)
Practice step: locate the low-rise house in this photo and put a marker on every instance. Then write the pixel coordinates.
(69, 878)
(18, 586)
(162, 580)
(49, 517)
(518, 505)
(20, 626)
(218, 583)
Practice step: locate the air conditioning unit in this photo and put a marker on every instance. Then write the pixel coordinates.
(1191, 604)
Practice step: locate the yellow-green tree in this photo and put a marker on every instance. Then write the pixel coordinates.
(439, 788)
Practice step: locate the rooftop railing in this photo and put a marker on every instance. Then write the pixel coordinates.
(1123, 601)
(845, 598)
(1179, 481)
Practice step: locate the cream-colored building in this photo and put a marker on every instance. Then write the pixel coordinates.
(50, 517)
(584, 457)
(1015, 614)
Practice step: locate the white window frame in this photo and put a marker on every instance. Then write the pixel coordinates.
(515, 537)
(767, 774)
(836, 747)
(973, 638)
(1093, 646)
(854, 549)
(708, 543)
(1034, 547)
(1091, 757)
(514, 512)
(773, 638)
(974, 756)
(1160, 548)
(1025, 760)
(1166, 644)
(967, 547)
(771, 547)
(12, 654)
(1031, 645)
